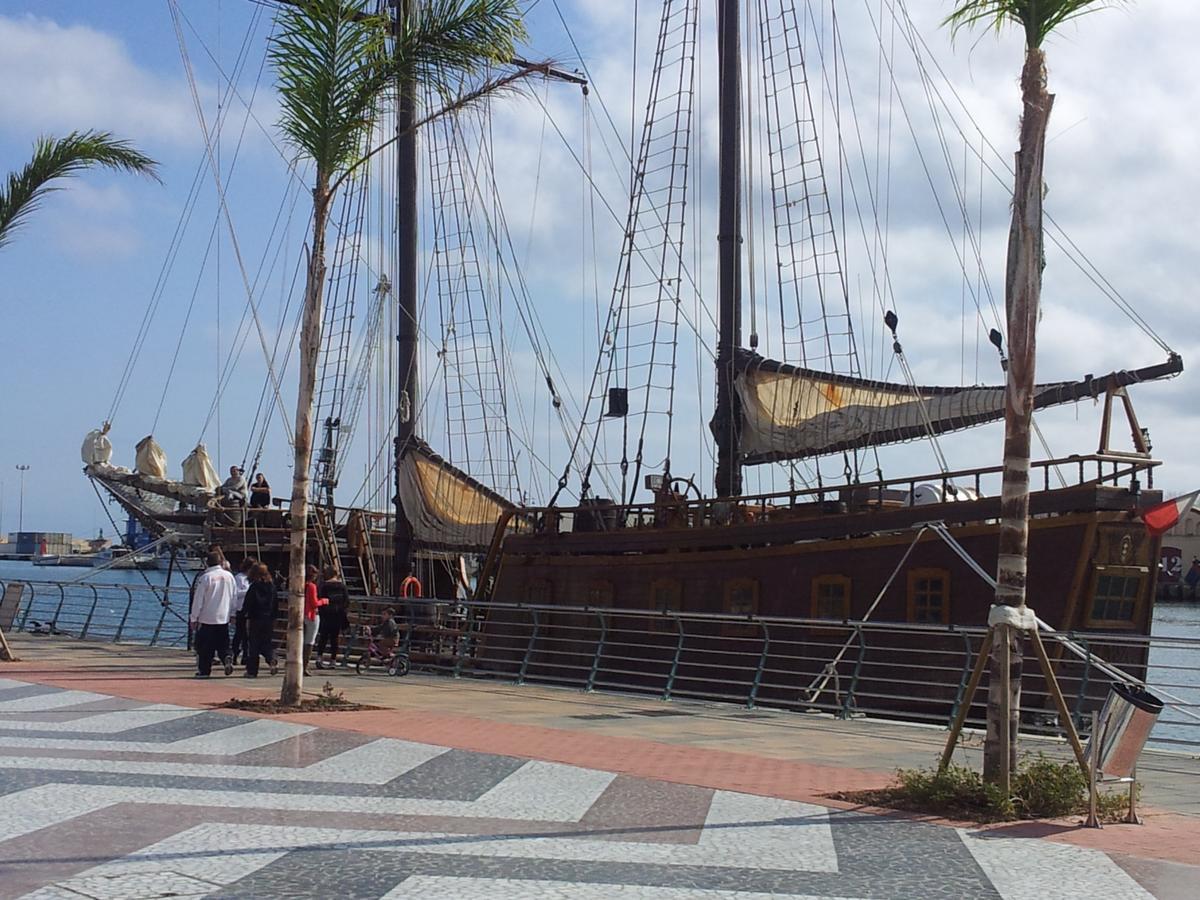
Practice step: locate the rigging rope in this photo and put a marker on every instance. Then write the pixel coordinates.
(1086, 654)
(175, 243)
(216, 173)
(1056, 234)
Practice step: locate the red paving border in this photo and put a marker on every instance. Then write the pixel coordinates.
(1164, 836)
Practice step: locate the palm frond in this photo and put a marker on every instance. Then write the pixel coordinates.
(333, 64)
(1038, 18)
(449, 39)
(325, 52)
(56, 158)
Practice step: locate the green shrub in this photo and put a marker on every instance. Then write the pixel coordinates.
(1041, 789)
(1045, 789)
(957, 791)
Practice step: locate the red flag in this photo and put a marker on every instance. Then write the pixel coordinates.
(1160, 519)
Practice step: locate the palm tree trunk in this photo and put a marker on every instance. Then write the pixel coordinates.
(310, 343)
(1022, 294)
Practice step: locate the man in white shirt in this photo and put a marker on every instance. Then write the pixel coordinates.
(212, 599)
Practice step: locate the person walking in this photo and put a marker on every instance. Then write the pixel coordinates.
(241, 581)
(312, 618)
(335, 618)
(212, 600)
(260, 609)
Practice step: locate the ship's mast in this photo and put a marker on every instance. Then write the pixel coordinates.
(406, 290)
(726, 423)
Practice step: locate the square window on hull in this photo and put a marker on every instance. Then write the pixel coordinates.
(1116, 596)
(929, 596)
(831, 597)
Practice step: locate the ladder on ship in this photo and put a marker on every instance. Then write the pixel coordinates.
(348, 551)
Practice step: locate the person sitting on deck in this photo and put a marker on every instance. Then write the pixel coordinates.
(260, 492)
(234, 491)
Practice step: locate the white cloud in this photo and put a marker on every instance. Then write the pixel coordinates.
(63, 77)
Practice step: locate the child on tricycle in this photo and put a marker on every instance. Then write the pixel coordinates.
(382, 640)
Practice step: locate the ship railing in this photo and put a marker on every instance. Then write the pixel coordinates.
(1100, 469)
(892, 670)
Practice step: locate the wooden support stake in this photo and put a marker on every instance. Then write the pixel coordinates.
(1004, 704)
(1064, 715)
(5, 650)
(1093, 777)
(981, 662)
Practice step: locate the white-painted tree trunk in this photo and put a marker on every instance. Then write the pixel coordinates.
(310, 344)
(1023, 285)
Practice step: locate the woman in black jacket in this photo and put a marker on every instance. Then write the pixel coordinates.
(260, 607)
(335, 618)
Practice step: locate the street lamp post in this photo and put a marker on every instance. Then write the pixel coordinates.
(21, 498)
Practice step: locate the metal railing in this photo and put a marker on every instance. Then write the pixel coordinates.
(122, 613)
(843, 668)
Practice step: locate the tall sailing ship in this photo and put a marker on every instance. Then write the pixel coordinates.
(621, 527)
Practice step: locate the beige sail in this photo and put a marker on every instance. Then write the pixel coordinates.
(789, 412)
(446, 508)
(151, 460)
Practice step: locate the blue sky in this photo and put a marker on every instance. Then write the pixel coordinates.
(75, 283)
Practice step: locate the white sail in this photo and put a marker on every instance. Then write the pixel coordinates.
(97, 448)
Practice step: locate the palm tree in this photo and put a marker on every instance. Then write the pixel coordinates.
(333, 66)
(1023, 288)
(55, 158)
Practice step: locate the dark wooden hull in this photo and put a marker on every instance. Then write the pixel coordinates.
(776, 567)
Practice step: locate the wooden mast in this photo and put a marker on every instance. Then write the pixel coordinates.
(406, 290)
(727, 418)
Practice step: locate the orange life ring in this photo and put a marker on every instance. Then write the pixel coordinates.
(410, 587)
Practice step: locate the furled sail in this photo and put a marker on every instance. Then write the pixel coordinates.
(151, 460)
(446, 508)
(790, 412)
(97, 448)
(198, 470)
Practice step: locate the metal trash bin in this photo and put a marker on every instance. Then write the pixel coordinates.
(1121, 730)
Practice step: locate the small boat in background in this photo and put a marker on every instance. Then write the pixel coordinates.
(183, 563)
(124, 558)
(81, 561)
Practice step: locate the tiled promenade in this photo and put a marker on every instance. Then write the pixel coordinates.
(116, 781)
